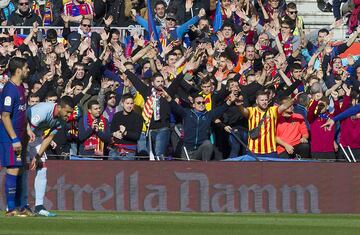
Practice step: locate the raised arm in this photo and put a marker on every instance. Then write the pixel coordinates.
(285, 106)
(181, 30)
(137, 83)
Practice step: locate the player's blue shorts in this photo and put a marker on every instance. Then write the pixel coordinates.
(9, 158)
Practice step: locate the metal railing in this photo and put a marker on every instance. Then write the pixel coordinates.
(123, 30)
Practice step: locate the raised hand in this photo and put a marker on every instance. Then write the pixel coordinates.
(133, 13)
(188, 52)
(328, 125)
(84, 45)
(105, 83)
(202, 12)
(60, 49)
(65, 18)
(318, 96)
(165, 95)
(188, 5)
(254, 21)
(168, 48)
(35, 28)
(335, 95)
(109, 20)
(91, 54)
(233, 7)
(346, 89)
(237, 38)
(220, 36)
(104, 35)
(11, 31)
(241, 13)
(350, 60)
(120, 66)
(33, 48)
(337, 24)
(328, 49)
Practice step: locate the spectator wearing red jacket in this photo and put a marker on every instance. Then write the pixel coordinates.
(292, 134)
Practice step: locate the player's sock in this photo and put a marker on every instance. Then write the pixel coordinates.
(10, 191)
(40, 186)
(24, 189)
(18, 191)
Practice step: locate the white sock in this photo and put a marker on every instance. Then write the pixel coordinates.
(40, 186)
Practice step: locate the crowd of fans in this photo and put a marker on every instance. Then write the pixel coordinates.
(198, 91)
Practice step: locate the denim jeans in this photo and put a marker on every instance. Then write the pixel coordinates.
(73, 149)
(235, 145)
(142, 148)
(114, 154)
(160, 141)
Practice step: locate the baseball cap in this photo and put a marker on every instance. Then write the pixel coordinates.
(171, 15)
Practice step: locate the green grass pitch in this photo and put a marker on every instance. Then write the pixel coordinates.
(100, 223)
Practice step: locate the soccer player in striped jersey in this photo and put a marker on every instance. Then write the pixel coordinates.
(265, 144)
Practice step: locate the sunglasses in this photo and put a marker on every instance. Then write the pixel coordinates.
(86, 25)
(171, 20)
(293, 12)
(200, 102)
(23, 3)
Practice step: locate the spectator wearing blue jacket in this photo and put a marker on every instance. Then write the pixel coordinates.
(196, 125)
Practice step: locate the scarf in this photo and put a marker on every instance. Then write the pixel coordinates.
(94, 142)
(45, 12)
(73, 119)
(123, 149)
(110, 113)
(287, 45)
(208, 101)
(152, 106)
(84, 35)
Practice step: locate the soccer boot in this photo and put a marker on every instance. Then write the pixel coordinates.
(41, 211)
(13, 213)
(27, 212)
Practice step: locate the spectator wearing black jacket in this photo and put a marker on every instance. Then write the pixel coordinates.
(23, 16)
(126, 129)
(185, 10)
(158, 119)
(235, 123)
(81, 36)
